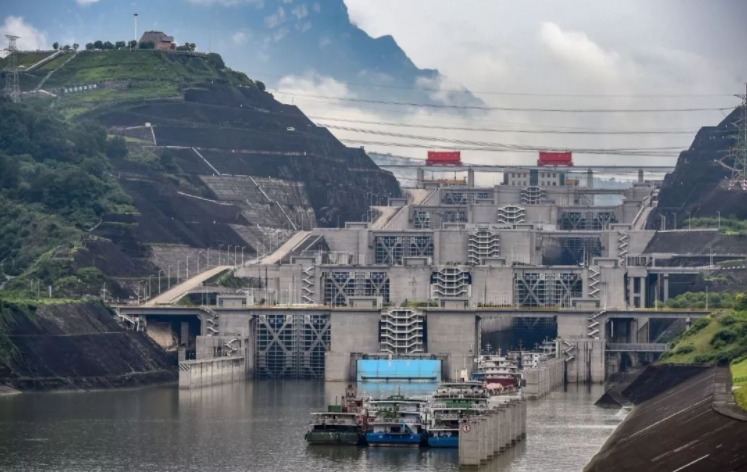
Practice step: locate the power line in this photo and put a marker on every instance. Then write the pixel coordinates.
(504, 130)
(514, 109)
(441, 117)
(510, 146)
(492, 149)
(516, 94)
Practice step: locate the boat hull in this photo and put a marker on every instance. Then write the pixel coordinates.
(443, 441)
(337, 438)
(387, 439)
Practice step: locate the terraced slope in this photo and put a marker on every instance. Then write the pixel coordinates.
(213, 161)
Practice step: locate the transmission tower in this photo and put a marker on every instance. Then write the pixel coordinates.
(739, 152)
(12, 89)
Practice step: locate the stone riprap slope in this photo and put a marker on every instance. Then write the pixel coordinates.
(698, 183)
(76, 346)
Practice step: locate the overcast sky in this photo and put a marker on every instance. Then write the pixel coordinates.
(602, 47)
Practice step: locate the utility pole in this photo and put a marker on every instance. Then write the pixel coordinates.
(739, 152)
(12, 87)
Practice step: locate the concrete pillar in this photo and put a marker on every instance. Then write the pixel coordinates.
(631, 292)
(666, 288)
(502, 422)
(590, 178)
(184, 333)
(421, 177)
(643, 334)
(643, 287)
(470, 178)
(640, 176)
(485, 432)
(469, 444)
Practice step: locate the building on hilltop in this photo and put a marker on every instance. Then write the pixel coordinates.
(162, 41)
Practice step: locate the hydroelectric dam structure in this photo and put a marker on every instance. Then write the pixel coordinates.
(430, 276)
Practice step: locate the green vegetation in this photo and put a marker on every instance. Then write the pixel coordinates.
(730, 226)
(180, 69)
(715, 300)
(719, 339)
(739, 379)
(55, 183)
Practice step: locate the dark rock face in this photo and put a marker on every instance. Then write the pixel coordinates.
(245, 132)
(79, 346)
(698, 183)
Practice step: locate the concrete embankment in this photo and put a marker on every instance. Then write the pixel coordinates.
(684, 419)
(543, 379)
(75, 346)
(205, 372)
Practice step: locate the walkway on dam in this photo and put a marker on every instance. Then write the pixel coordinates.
(174, 294)
(286, 248)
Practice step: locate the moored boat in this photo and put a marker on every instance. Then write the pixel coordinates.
(396, 421)
(344, 424)
(450, 405)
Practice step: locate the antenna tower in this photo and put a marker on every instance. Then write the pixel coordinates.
(739, 152)
(12, 89)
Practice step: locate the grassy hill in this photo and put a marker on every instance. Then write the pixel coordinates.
(720, 339)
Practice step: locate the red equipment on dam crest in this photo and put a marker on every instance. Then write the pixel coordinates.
(547, 158)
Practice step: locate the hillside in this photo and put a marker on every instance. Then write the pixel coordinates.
(698, 185)
(201, 157)
(75, 345)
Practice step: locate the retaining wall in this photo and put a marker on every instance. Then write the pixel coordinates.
(204, 372)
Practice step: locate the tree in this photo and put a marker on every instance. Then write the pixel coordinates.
(192, 46)
(66, 47)
(98, 45)
(261, 86)
(76, 46)
(56, 46)
(116, 148)
(147, 45)
(89, 46)
(108, 45)
(120, 44)
(132, 44)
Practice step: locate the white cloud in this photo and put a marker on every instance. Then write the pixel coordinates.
(86, 2)
(239, 38)
(300, 12)
(276, 18)
(30, 38)
(576, 48)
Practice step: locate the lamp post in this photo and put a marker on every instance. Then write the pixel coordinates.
(187, 264)
(159, 280)
(178, 264)
(208, 258)
(168, 278)
(689, 223)
(242, 254)
(134, 16)
(220, 250)
(228, 254)
(719, 219)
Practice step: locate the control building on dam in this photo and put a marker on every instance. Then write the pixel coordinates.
(433, 273)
